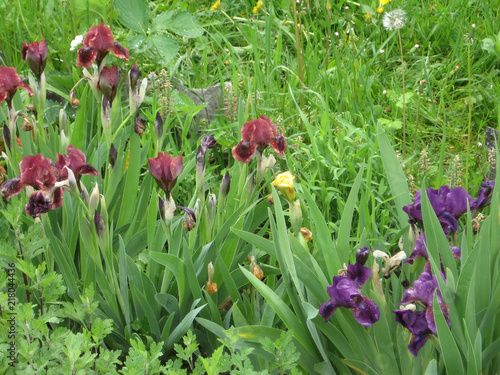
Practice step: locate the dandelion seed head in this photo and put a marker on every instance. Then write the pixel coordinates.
(394, 20)
(76, 42)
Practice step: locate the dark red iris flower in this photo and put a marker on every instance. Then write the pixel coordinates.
(35, 54)
(165, 170)
(96, 45)
(108, 82)
(76, 161)
(49, 179)
(9, 83)
(256, 135)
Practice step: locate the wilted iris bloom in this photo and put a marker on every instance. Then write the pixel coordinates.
(35, 54)
(391, 263)
(345, 293)
(97, 44)
(9, 83)
(421, 323)
(256, 135)
(165, 170)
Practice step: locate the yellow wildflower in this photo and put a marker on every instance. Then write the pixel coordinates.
(284, 183)
(258, 7)
(384, 2)
(380, 10)
(368, 16)
(215, 6)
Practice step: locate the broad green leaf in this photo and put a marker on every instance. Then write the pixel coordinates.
(166, 47)
(133, 14)
(432, 368)
(395, 177)
(449, 349)
(180, 22)
(346, 222)
(182, 328)
(284, 312)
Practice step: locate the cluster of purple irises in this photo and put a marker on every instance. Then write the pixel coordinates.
(449, 205)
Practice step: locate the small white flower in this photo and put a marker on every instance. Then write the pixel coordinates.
(381, 51)
(394, 20)
(416, 46)
(76, 42)
(336, 34)
(384, 92)
(473, 25)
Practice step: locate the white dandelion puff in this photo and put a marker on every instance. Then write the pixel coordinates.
(76, 42)
(394, 20)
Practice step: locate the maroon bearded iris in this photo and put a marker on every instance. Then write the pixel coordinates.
(35, 54)
(256, 135)
(165, 170)
(9, 83)
(49, 179)
(97, 44)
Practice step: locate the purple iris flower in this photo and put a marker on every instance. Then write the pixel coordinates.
(416, 323)
(421, 323)
(484, 195)
(345, 292)
(448, 204)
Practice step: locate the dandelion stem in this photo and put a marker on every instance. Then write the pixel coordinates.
(469, 122)
(404, 91)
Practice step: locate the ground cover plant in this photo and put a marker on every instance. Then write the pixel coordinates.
(249, 187)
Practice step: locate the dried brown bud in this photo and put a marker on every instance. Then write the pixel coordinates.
(306, 233)
(73, 100)
(255, 269)
(139, 126)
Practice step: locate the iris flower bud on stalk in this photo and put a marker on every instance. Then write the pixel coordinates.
(7, 137)
(100, 228)
(113, 154)
(136, 93)
(158, 129)
(63, 119)
(94, 199)
(225, 185)
(167, 208)
(207, 142)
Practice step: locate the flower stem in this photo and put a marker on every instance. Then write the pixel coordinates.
(404, 91)
(469, 122)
